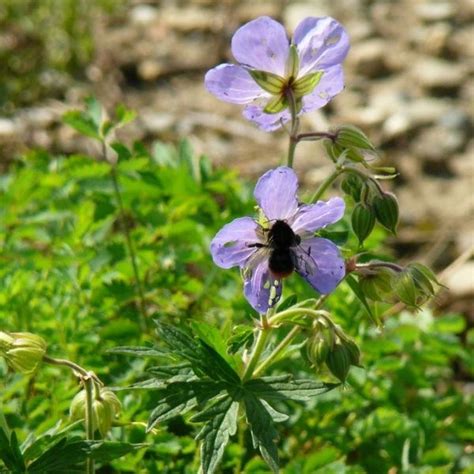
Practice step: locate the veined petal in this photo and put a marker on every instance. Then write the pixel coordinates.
(267, 122)
(275, 193)
(321, 42)
(230, 246)
(332, 82)
(311, 217)
(233, 83)
(258, 282)
(328, 269)
(262, 44)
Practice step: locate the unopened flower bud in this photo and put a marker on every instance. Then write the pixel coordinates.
(349, 136)
(386, 211)
(352, 185)
(339, 361)
(377, 284)
(320, 342)
(23, 351)
(405, 288)
(105, 407)
(363, 221)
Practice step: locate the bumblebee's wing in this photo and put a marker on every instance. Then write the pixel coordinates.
(304, 263)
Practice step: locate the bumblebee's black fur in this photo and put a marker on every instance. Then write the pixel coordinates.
(281, 238)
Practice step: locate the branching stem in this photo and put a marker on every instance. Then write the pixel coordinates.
(128, 238)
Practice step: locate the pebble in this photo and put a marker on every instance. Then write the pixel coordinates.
(436, 11)
(142, 15)
(433, 73)
(461, 282)
(8, 128)
(368, 58)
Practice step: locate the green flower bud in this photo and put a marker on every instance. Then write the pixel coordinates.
(378, 284)
(349, 136)
(386, 211)
(105, 407)
(339, 361)
(353, 351)
(363, 221)
(320, 343)
(352, 185)
(22, 351)
(317, 349)
(405, 288)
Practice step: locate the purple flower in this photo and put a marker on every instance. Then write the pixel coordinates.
(281, 241)
(270, 68)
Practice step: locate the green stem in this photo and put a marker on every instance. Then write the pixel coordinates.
(325, 184)
(291, 151)
(258, 348)
(91, 383)
(290, 336)
(278, 349)
(315, 136)
(89, 387)
(131, 249)
(279, 317)
(294, 127)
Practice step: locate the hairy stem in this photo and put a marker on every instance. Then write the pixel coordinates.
(311, 136)
(278, 349)
(291, 335)
(131, 249)
(89, 387)
(294, 127)
(325, 185)
(91, 384)
(259, 346)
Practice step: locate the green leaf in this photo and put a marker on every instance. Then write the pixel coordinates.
(242, 337)
(82, 123)
(202, 357)
(105, 451)
(94, 110)
(66, 454)
(10, 452)
(180, 397)
(211, 336)
(284, 388)
(262, 430)
(122, 151)
(221, 424)
(137, 351)
(354, 286)
(123, 115)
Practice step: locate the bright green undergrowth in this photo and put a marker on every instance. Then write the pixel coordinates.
(65, 274)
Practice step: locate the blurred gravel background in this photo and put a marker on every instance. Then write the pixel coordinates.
(410, 87)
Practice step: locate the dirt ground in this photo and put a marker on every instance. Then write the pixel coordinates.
(409, 86)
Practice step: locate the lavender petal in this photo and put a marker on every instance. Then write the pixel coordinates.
(275, 193)
(262, 44)
(230, 246)
(267, 122)
(258, 282)
(232, 83)
(330, 85)
(311, 217)
(321, 43)
(328, 268)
